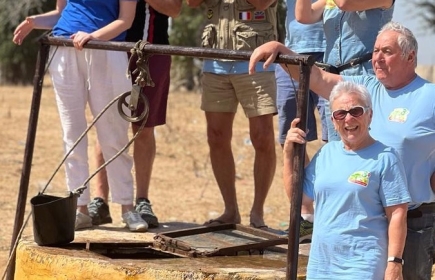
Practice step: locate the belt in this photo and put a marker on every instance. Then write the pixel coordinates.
(338, 69)
(425, 208)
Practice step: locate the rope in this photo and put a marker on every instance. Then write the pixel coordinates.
(142, 65)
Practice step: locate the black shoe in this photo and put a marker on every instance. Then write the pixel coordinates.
(305, 231)
(99, 212)
(143, 207)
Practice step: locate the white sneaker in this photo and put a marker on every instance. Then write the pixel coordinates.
(134, 221)
(82, 221)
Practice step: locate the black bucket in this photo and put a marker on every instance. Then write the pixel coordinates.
(54, 219)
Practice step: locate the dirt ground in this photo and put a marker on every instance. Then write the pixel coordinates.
(183, 187)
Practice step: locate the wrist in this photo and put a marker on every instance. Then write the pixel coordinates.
(396, 260)
(31, 20)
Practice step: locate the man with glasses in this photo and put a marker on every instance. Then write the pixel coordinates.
(403, 117)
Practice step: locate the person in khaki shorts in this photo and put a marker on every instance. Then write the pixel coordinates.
(239, 25)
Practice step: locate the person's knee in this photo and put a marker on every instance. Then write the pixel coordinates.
(218, 138)
(263, 140)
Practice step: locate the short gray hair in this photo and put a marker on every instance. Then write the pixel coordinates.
(348, 87)
(406, 38)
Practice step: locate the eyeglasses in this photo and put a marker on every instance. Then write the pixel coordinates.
(356, 112)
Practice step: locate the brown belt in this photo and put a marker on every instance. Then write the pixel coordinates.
(425, 208)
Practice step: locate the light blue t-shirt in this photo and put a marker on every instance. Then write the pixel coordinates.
(303, 38)
(351, 189)
(352, 34)
(405, 120)
(87, 16)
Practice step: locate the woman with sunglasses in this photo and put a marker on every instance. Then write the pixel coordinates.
(359, 187)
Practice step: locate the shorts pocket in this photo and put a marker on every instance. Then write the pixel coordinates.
(209, 36)
(249, 36)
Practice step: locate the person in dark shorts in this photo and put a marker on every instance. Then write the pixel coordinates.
(150, 25)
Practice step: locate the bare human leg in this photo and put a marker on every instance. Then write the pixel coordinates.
(262, 137)
(219, 134)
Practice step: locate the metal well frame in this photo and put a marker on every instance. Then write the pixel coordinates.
(303, 61)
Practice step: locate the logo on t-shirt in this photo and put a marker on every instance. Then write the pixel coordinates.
(360, 178)
(330, 4)
(399, 115)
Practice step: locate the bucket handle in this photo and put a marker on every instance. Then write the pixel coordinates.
(79, 190)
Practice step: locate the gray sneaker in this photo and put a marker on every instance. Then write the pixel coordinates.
(99, 212)
(82, 221)
(143, 207)
(134, 222)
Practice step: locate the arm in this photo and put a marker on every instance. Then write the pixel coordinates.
(171, 8)
(194, 3)
(396, 216)
(43, 21)
(125, 18)
(294, 135)
(305, 12)
(261, 4)
(321, 82)
(358, 5)
(124, 21)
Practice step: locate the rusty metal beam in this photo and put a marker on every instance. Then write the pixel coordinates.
(178, 50)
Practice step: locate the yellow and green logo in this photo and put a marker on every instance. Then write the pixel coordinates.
(360, 177)
(399, 115)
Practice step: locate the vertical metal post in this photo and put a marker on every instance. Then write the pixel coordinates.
(38, 80)
(298, 166)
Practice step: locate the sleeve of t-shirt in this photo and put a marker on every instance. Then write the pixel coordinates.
(309, 177)
(394, 187)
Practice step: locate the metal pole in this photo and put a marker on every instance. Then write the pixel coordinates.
(298, 171)
(38, 80)
(178, 50)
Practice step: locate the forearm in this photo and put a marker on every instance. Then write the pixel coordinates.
(322, 82)
(305, 12)
(194, 3)
(170, 8)
(44, 21)
(288, 170)
(396, 239)
(397, 231)
(261, 4)
(358, 5)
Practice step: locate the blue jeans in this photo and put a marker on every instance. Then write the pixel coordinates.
(419, 248)
(332, 134)
(286, 104)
